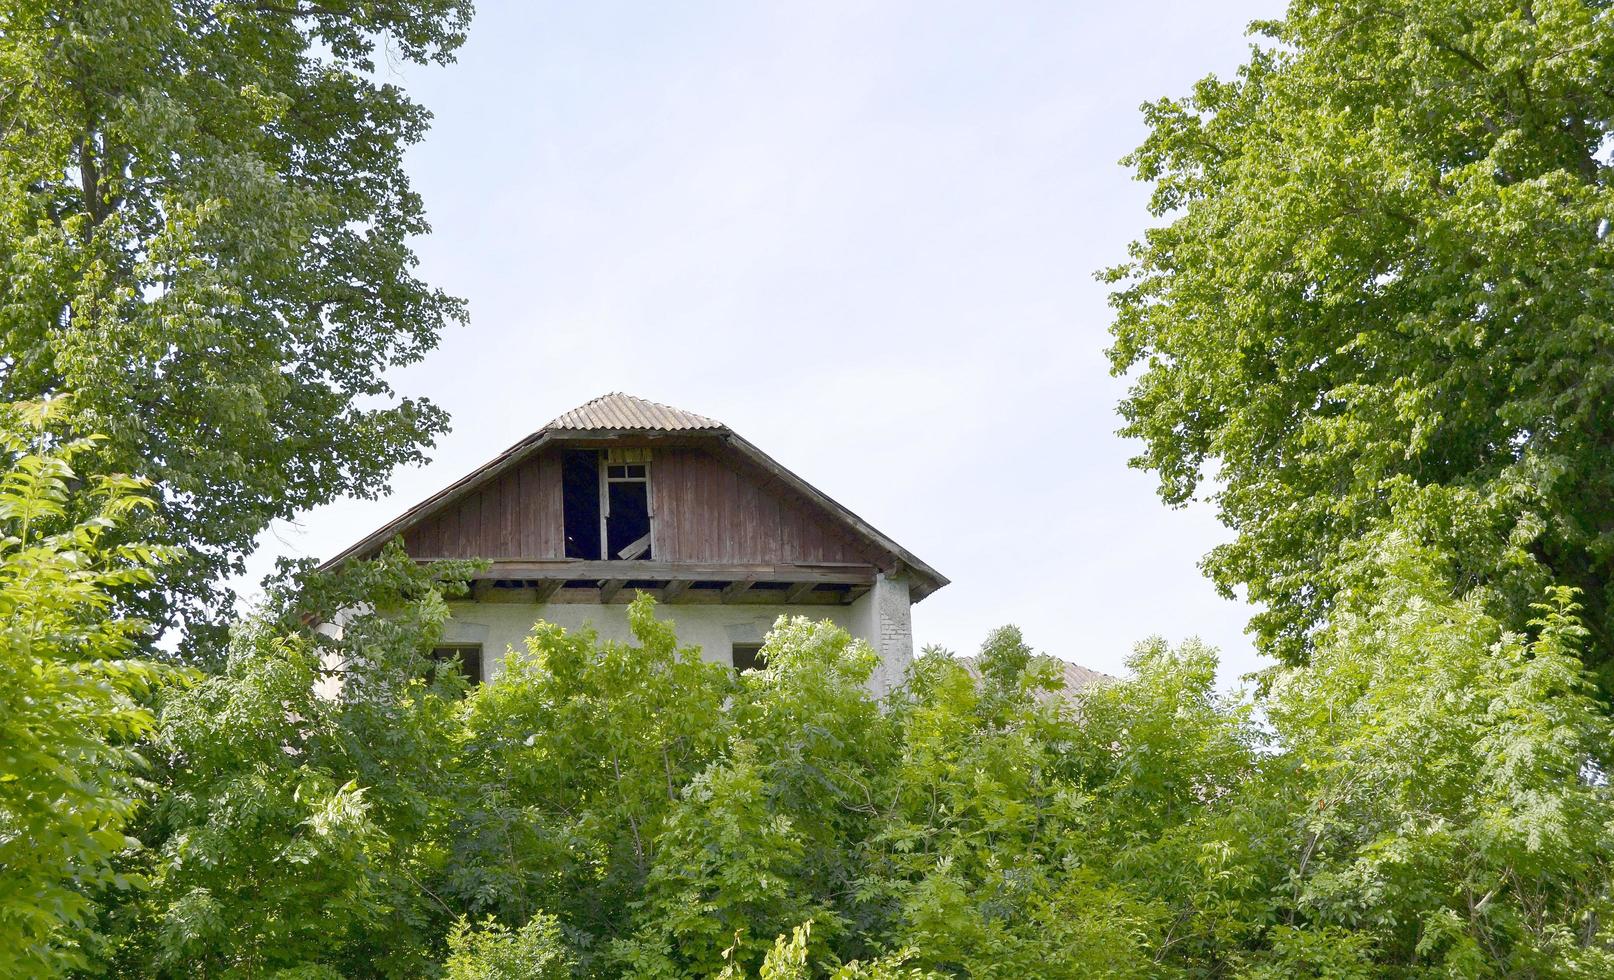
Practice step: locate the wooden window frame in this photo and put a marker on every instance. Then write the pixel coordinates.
(606, 479)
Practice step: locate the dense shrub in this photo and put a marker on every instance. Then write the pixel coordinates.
(1427, 798)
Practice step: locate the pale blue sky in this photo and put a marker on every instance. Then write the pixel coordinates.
(861, 234)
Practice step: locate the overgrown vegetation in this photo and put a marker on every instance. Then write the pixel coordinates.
(1380, 307)
(1425, 798)
(73, 690)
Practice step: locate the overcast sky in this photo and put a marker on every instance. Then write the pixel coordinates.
(861, 234)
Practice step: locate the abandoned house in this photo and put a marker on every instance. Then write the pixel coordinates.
(623, 495)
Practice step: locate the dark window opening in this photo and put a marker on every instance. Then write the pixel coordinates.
(580, 488)
(465, 658)
(627, 519)
(747, 656)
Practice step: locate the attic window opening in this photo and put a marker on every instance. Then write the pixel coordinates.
(625, 506)
(580, 492)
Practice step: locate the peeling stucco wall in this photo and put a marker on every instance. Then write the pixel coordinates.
(881, 617)
(884, 618)
(504, 626)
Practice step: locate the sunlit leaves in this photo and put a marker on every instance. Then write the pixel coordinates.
(1380, 296)
(74, 698)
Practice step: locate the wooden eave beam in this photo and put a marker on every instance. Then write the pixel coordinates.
(675, 589)
(539, 569)
(733, 590)
(610, 587)
(547, 588)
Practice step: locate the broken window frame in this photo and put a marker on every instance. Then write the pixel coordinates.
(637, 463)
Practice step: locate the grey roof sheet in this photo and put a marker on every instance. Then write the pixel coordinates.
(618, 411)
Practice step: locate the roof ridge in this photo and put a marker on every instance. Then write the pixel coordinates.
(620, 410)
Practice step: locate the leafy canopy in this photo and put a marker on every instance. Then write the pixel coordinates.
(1381, 299)
(204, 232)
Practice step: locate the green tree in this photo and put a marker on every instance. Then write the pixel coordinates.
(204, 231)
(787, 960)
(1381, 295)
(73, 697)
(1426, 798)
(1442, 789)
(493, 951)
(304, 789)
(578, 754)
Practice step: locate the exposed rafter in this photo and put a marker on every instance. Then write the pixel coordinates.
(798, 590)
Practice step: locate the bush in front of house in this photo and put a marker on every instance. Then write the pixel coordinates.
(1427, 798)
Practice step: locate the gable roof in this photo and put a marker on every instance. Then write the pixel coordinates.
(615, 414)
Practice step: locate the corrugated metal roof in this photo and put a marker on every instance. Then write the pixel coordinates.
(622, 412)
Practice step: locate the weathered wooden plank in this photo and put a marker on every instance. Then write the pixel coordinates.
(665, 476)
(504, 498)
(709, 508)
(552, 540)
(694, 597)
(537, 569)
(770, 547)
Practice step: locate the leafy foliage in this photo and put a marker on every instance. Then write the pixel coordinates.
(304, 790)
(1381, 303)
(204, 228)
(1425, 798)
(492, 951)
(73, 697)
(1380, 308)
(1451, 806)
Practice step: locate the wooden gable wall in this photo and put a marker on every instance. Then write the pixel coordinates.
(708, 508)
(716, 510)
(516, 515)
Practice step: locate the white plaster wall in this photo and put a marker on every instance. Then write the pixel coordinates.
(884, 617)
(715, 628)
